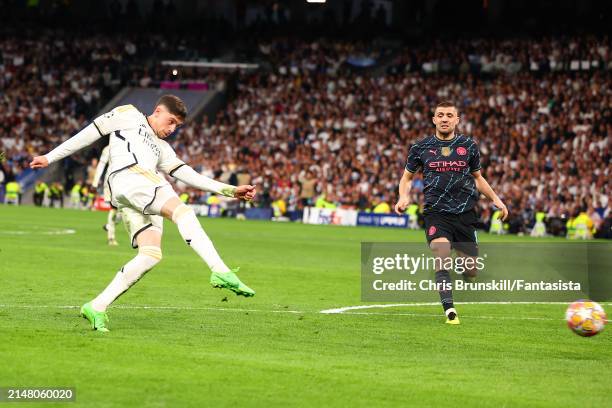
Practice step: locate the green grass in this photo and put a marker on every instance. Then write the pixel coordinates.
(210, 348)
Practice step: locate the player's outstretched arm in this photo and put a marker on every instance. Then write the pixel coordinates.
(102, 163)
(404, 192)
(483, 186)
(192, 178)
(82, 139)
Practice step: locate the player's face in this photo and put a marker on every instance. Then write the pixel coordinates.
(165, 122)
(446, 120)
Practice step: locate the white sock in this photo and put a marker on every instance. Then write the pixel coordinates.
(190, 229)
(110, 225)
(147, 258)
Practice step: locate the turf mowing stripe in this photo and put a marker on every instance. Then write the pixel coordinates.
(463, 316)
(343, 310)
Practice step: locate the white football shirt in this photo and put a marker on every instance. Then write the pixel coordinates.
(132, 141)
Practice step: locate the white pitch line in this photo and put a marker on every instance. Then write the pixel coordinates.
(347, 308)
(222, 309)
(53, 231)
(383, 306)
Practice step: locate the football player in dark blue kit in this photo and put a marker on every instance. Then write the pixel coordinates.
(452, 183)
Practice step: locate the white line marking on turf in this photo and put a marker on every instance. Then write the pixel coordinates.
(383, 306)
(222, 309)
(55, 231)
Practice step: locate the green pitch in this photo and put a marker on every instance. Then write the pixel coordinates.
(177, 342)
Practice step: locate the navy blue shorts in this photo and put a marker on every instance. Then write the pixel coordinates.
(459, 229)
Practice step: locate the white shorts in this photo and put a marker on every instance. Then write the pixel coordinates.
(135, 222)
(140, 194)
(143, 190)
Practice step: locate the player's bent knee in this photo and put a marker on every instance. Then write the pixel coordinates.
(152, 254)
(147, 258)
(170, 206)
(180, 212)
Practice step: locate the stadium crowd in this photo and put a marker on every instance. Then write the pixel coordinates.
(317, 130)
(544, 133)
(51, 84)
(490, 56)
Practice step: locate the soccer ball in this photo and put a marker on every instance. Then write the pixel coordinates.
(585, 317)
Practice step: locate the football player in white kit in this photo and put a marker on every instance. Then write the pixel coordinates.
(137, 154)
(114, 216)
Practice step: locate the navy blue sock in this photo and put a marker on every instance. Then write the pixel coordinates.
(443, 280)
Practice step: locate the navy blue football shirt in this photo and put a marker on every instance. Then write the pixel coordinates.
(447, 172)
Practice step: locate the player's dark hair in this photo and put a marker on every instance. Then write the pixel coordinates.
(446, 104)
(174, 104)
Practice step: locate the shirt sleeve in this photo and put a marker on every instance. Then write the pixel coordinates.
(119, 118)
(474, 161)
(82, 139)
(192, 178)
(414, 160)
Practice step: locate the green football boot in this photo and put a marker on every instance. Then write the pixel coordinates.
(98, 320)
(230, 281)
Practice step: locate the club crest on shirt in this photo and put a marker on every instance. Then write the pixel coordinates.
(446, 151)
